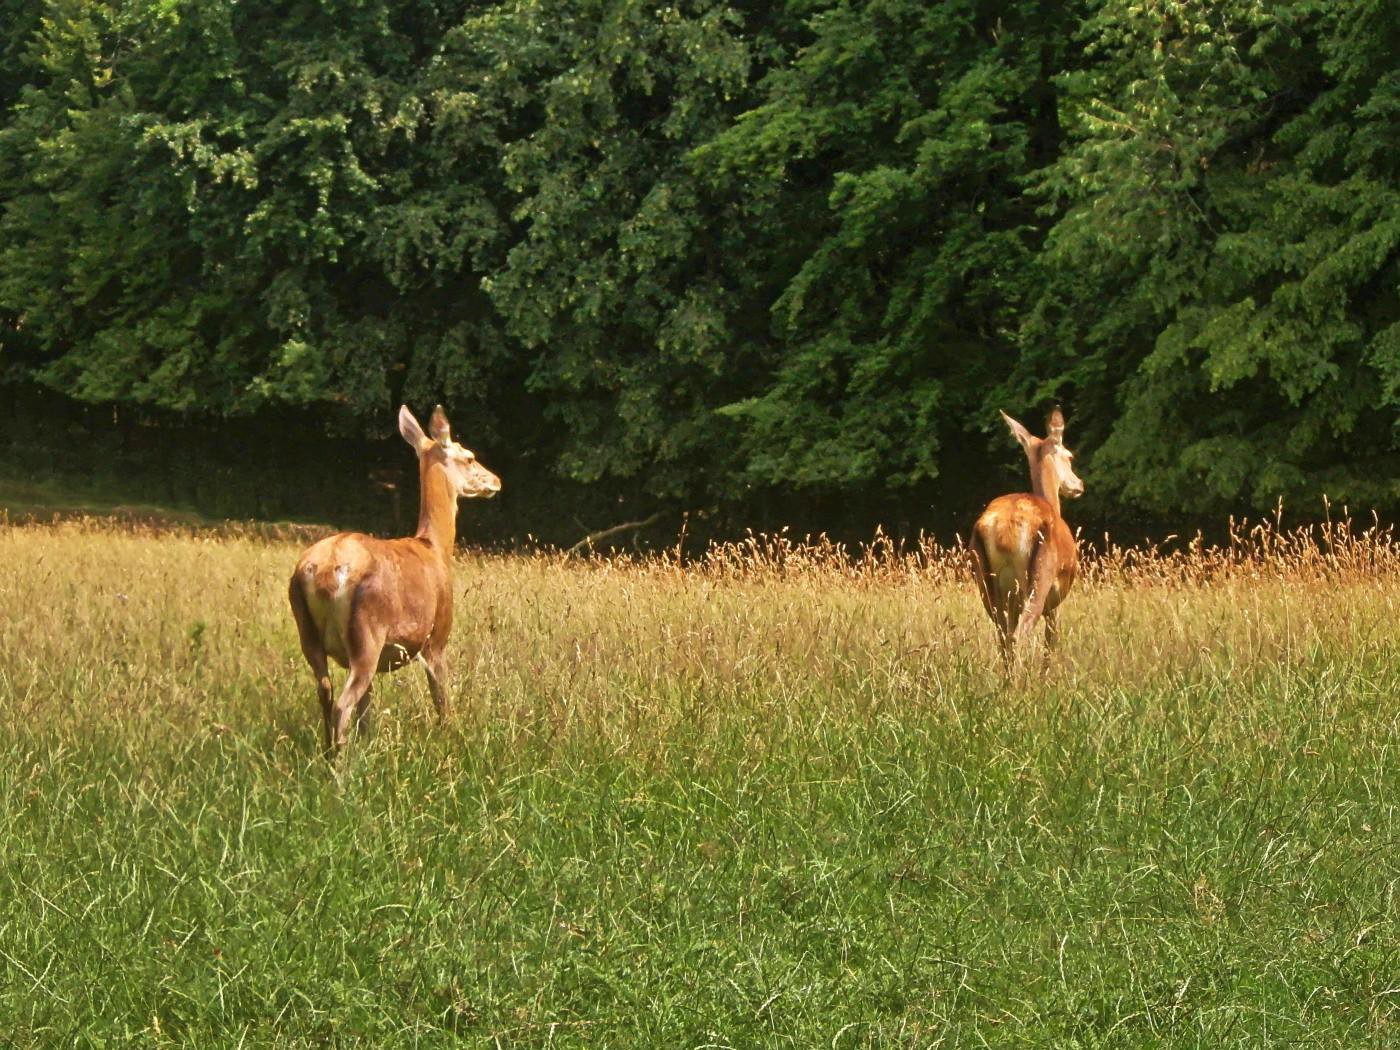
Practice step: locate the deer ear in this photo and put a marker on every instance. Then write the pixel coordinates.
(1055, 425)
(438, 426)
(1020, 433)
(411, 431)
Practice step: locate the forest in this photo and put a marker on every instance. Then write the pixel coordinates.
(757, 261)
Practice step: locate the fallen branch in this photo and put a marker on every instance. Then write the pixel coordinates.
(603, 534)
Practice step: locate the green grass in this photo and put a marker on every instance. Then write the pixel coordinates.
(768, 801)
(28, 499)
(25, 501)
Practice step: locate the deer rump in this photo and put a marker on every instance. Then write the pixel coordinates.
(1014, 538)
(357, 593)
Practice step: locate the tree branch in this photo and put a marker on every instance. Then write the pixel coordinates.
(603, 534)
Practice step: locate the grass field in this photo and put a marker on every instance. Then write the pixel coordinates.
(776, 798)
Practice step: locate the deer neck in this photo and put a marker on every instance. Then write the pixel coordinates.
(437, 509)
(1045, 482)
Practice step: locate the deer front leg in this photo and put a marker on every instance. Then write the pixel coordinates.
(439, 684)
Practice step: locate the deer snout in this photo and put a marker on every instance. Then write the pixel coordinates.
(486, 483)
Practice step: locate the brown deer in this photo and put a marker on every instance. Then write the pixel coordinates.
(373, 605)
(1023, 553)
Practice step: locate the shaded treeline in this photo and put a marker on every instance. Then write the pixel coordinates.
(769, 263)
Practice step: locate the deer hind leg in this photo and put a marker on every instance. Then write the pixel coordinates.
(439, 684)
(1008, 615)
(323, 693)
(1002, 608)
(982, 570)
(353, 701)
(348, 704)
(1040, 576)
(314, 650)
(1052, 634)
(1006, 637)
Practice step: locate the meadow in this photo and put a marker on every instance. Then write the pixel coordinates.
(779, 796)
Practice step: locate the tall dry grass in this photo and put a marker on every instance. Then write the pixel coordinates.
(114, 628)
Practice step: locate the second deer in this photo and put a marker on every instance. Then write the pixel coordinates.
(1024, 554)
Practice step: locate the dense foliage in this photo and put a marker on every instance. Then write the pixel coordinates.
(700, 252)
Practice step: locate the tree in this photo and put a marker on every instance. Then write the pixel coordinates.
(880, 175)
(607, 284)
(1220, 290)
(711, 252)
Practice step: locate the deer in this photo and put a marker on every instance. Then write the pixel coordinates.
(1024, 555)
(372, 605)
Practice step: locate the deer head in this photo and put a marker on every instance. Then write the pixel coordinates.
(467, 477)
(1052, 464)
